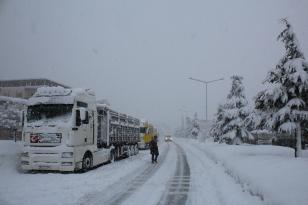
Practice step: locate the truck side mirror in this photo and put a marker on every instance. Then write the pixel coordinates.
(22, 118)
(78, 119)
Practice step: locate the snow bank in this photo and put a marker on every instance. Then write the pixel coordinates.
(8, 165)
(270, 172)
(9, 151)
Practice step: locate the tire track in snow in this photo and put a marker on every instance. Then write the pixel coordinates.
(207, 169)
(179, 184)
(124, 188)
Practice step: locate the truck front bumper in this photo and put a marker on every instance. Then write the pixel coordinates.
(47, 159)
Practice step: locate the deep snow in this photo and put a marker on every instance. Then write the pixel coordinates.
(219, 174)
(271, 172)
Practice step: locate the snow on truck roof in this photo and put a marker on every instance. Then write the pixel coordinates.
(60, 91)
(57, 95)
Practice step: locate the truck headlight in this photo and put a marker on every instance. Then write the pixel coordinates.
(67, 154)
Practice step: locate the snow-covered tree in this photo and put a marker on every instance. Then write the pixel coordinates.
(188, 127)
(285, 98)
(255, 120)
(10, 112)
(234, 112)
(216, 129)
(195, 129)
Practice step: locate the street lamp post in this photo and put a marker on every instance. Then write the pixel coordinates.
(206, 83)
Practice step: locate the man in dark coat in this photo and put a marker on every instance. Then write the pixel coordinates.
(154, 149)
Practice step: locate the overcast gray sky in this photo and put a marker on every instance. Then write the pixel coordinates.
(138, 54)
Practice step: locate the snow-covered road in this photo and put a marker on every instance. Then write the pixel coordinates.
(122, 189)
(183, 175)
(210, 184)
(167, 182)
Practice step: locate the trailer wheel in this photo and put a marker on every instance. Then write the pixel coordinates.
(131, 150)
(112, 156)
(136, 149)
(128, 151)
(87, 161)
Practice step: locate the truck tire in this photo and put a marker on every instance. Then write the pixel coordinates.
(87, 161)
(128, 151)
(131, 150)
(136, 149)
(112, 156)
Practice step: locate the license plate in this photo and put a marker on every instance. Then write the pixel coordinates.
(44, 167)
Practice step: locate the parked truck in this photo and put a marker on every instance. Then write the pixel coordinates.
(66, 130)
(147, 133)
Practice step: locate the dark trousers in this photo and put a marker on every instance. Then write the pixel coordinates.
(154, 157)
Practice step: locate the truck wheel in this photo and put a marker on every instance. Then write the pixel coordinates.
(136, 149)
(112, 156)
(128, 151)
(131, 150)
(87, 162)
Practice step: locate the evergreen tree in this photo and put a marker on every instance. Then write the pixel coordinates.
(235, 110)
(195, 127)
(188, 127)
(285, 98)
(216, 129)
(255, 121)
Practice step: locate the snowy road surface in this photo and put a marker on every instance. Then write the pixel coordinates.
(183, 175)
(137, 187)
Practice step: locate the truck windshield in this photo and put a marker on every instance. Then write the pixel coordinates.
(143, 130)
(39, 112)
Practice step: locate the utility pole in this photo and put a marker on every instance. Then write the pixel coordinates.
(206, 83)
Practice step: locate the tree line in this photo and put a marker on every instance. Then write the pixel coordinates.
(281, 107)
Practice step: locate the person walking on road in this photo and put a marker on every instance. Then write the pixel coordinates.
(154, 149)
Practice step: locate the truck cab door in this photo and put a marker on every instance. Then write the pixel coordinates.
(83, 132)
(87, 127)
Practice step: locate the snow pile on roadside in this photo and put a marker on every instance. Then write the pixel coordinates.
(9, 151)
(305, 153)
(8, 165)
(270, 172)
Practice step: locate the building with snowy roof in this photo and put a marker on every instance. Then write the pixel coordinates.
(25, 88)
(13, 99)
